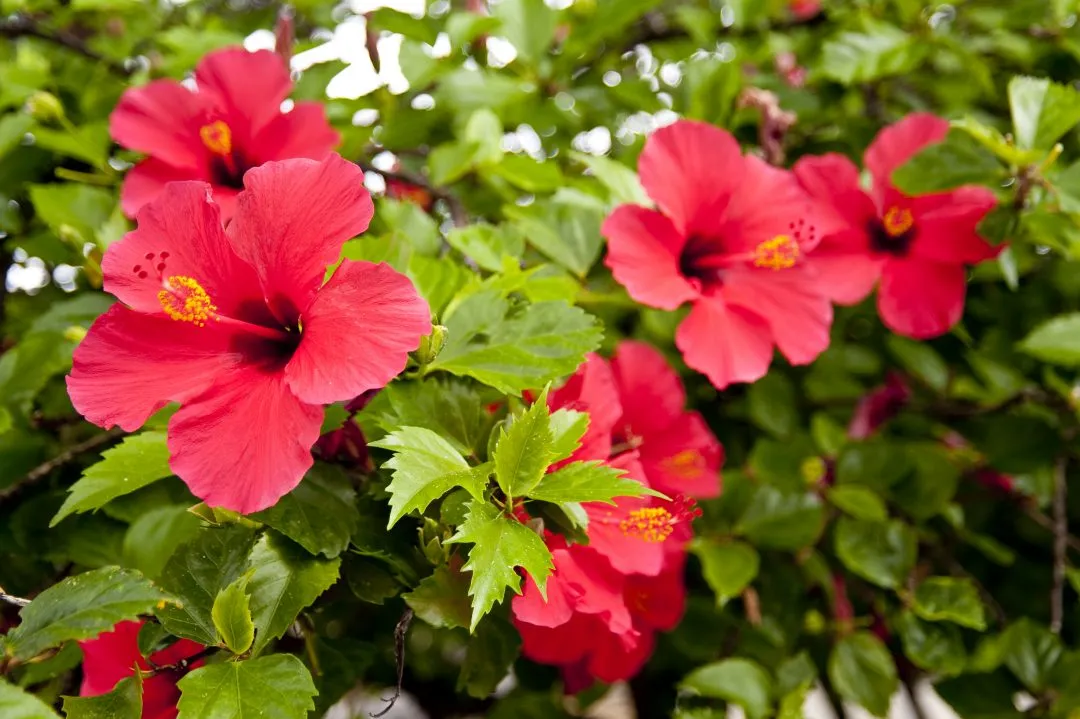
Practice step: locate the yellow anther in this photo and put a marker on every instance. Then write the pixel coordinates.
(687, 464)
(651, 524)
(779, 253)
(185, 300)
(898, 221)
(217, 137)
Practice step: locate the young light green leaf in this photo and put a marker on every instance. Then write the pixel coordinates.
(487, 245)
(523, 452)
(950, 599)
(125, 701)
(320, 514)
(859, 502)
(500, 543)
(232, 616)
(739, 681)
(591, 481)
(284, 580)
(1057, 341)
(1042, 111)
(565, 227)
(426, 466)
(272, 687)
(567, 428)
(17, 704)
(442, 599)
(620, 180)
(81, 607)
(728, 567)
(139, 460)
(529, 25)
(862, 671)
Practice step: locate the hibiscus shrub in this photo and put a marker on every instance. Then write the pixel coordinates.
(670, 354)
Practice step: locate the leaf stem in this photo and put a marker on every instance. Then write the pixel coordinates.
(1061, 537)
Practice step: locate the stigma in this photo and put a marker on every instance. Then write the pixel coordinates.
(185, 300)
(217, 137)
(779, 253)
(898, 221)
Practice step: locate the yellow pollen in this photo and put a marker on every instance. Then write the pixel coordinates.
(898, 221)
(217, 137)
(687, 464)
(779, 253)
(651, 524)
(185, 300)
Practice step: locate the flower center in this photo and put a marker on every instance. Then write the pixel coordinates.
(898, 221)
(687, 464)
(217, 137)
(779, 253)
(651, 524)
(185, 300)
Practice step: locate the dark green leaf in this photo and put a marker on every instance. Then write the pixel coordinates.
(772, 404)
(449, 407)
(123, 702)
(1030, 652)
(442, 599)
(859, 502)
(950, 599)
(862, 671)
(566, 228)
(775, 520)
(880, 552)
(936, 648)
(491, 652)
(272, 687)
(320, 514)
(739, 681)
(728, 567)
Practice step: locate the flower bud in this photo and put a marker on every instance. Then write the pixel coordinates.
(74, 333)
(431, 345)
(45, 107)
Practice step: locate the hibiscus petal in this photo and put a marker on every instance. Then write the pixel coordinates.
(228, 459)
(146, 181)
(726, 344)
(162, 119)
(291, 221)
(591, 389)
(658, 602)
(921, 299)
(793, 303)
(898, 143)
(650, 391)
(248, 87)
(303, 131)
(845, 268)
(683, 458)
(110, 657)
(947, 226)
(180, 235)
(530, 606)
(833, 180)
(357, 334)
(560, 644)
(643, 254)
(617, 657)
(691, 169)
(130, 365)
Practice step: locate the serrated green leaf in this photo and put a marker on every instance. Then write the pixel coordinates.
(197, 572)
(232, 616)
(284, 580)
(863, 672)
(1042, 111)
(740, 681)
(17, 704)
(273, 687)
(591, 481)
(567, 428)
(320, 514)
(139, 460)
(81, 607)
(486, 244)
(565, 227)
(499, 544)
(950, 599)
(448, 406)
(426, 467)
(523, 452)
(442, 599)
(728, 567)
(882, 50)
(125, 701)
(957, 160)
(880, 552)
(1057, 341)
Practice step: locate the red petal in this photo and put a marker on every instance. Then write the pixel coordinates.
(898, 143)
(946, 226)
(357, 334)
(627, 552)
(683, 458)
(130, 365)
(643, 254)
(292, 219)
(651, 392)
(162, 119)
(110, 657)
(245, 442)
(591, 389)
(691, 169)
(304, 131)
(145, 182)
(247, 87)
(921, 299)
(658, 602)
(184, 225)
(846, 269)
(726, 344)
(562, 644)
(833, 180)
(617, 657)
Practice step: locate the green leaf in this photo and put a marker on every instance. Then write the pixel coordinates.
(490, 655)
(197, 572)
(232, 616)
(567, 428)
(921, 360)
(273, 687)
(565, 227)
(880, 552)
(1042, 111)
(67, 208)
(950, 599)
(980, 696)
(155, 535)
(739, 681)
(775, 520)
(17, 704)
(13, 128)
(936, 648)
(591, 481)
(125, 701)
(89, 143)
(882, 50)
(81, 607)
(1056, 341)
(620, 180)
(284, 580)
(772, 404)
(500, 543)
(442, 599)
(1030, 652)
(516, 349)
(862, 671)
(451, 161)
(139, 460)
(859, 502)
(523, 452)
(447, 406)
(320, 514)
(486, 244)
(527, 174)
(728, 567)
(529, 25)
(958, 160)
(426, 467)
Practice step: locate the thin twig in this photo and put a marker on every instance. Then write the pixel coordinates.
(457, 210)
(1045, 522)
(1061, 537)
(400, 631)
(184, 664)
(46, 468)
(21, 25)
(13, 600)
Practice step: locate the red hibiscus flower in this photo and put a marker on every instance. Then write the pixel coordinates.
(804, 9)
(232, 122)
(239, 328)
(731, 236)
(879, 406)
(917, 246)
(114, 655)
